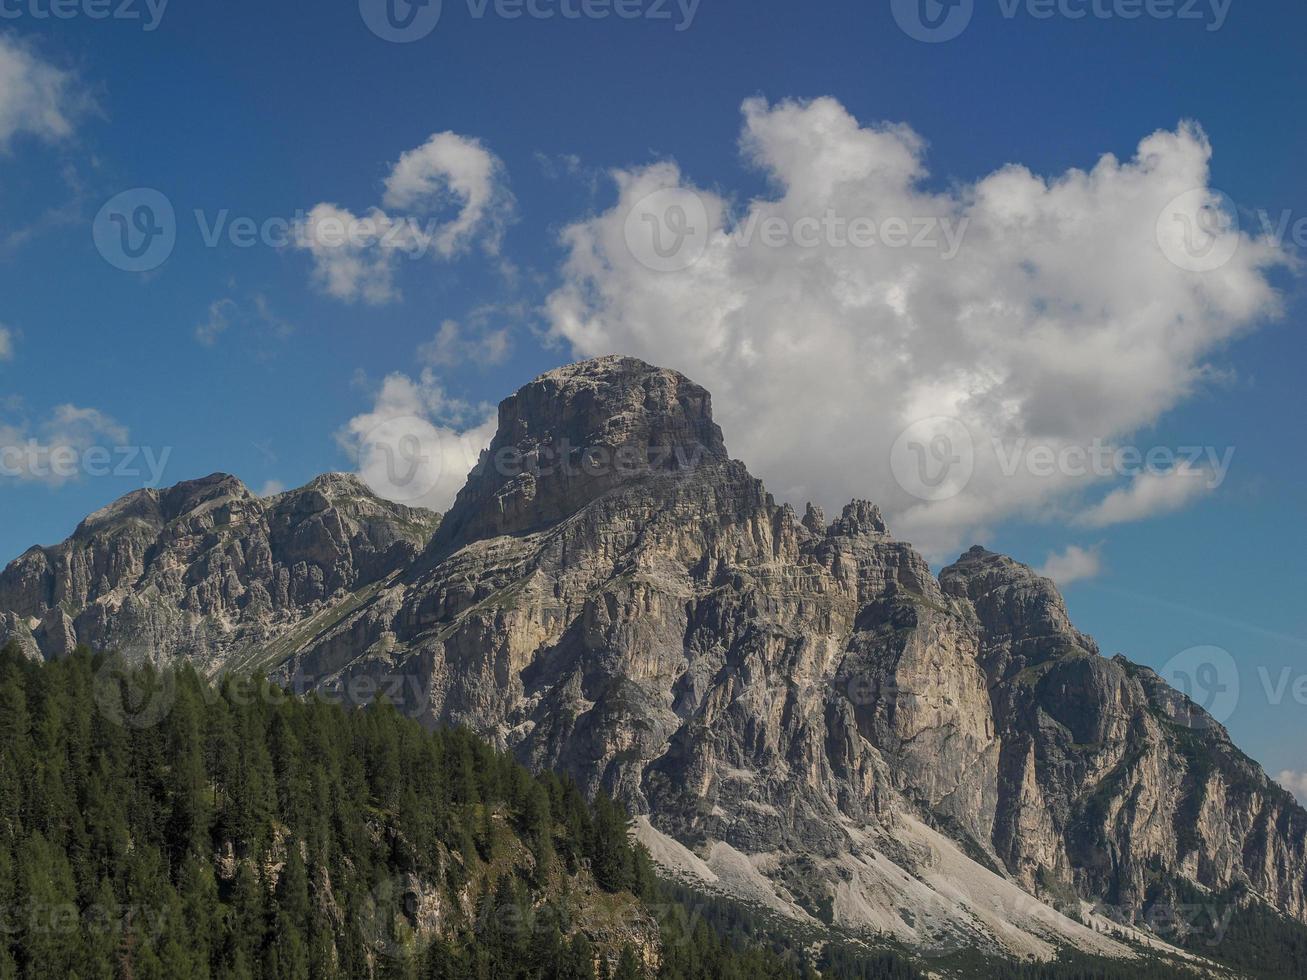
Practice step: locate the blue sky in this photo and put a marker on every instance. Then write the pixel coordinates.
(240, 359)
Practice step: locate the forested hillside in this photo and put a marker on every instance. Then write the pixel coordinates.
(240, 832)
(155, 826)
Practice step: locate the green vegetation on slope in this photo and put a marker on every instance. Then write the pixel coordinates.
(152, 825)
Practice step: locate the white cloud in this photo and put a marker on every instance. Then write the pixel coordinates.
(451, 346)
(1073, 565)
(1295, 783)
(216, 323)
(1148, 495)
(54, 450)
(417, 445)
(355, 257)
(452, 167)
(6, 343)
(272, 488)
(1056, 317)
(254, 313)
(35, 97)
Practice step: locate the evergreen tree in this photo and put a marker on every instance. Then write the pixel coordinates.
(249, 835)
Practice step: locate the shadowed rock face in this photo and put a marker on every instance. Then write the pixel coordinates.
(574, 434)
(798, 707)
(206, 569)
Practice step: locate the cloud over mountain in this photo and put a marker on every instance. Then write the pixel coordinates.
(856, 299)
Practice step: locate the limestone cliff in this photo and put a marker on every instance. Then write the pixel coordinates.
(799, 710)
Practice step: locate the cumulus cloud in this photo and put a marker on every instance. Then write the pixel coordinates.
(54, 450)
(35, 97)
(1044, 309)
(355, 256)
(1073, 565)
(417, 444)
(6, 343)
(449, 168)
(1295, 783)
(1148, 495)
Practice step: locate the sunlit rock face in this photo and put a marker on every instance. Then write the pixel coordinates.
(801, 713)
(207, 570)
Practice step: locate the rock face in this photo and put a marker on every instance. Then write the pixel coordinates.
(800, 712)
(207, 570)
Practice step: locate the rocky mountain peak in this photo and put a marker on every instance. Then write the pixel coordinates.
(206, 567)
(1021, 611)
(860, 517)
(801, 714)
(575, 433)
(193, 495)
(814, 519)
(337, 485)
(157, 508)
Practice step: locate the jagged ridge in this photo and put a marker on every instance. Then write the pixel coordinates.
(801, 712)
(207, 569)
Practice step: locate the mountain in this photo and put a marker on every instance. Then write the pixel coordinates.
(242, 838)
(801, 714)
(208, 571)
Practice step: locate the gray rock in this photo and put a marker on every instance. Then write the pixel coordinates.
(208, 571)
(796, 703)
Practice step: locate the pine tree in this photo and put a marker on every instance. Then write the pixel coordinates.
(628, 966)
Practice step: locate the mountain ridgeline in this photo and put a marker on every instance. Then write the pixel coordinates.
(797, 711)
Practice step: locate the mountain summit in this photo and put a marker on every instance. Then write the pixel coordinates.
(799, 711)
